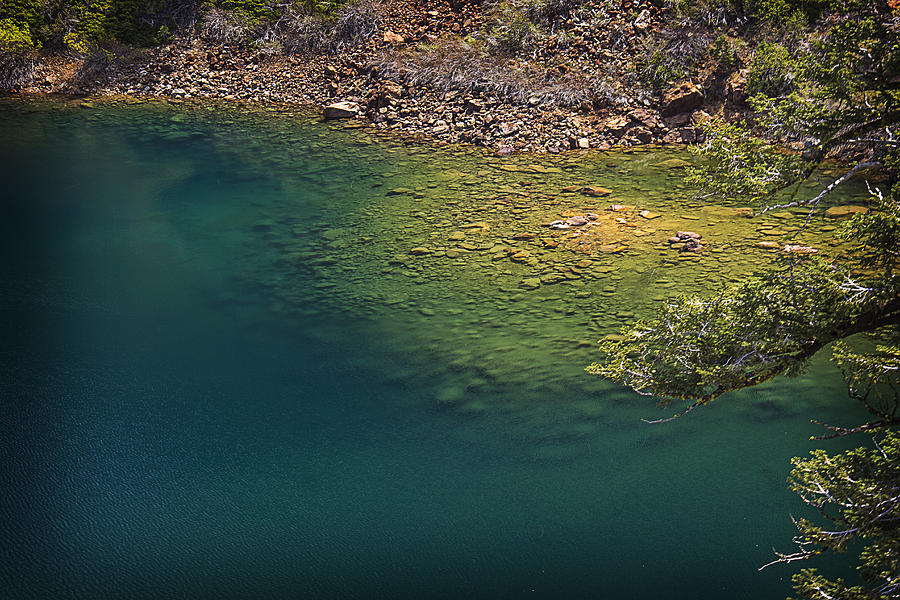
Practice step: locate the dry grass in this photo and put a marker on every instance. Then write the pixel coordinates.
(455, 65)
(16, 70)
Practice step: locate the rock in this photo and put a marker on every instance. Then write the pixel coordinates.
(595, 191)
(584, 264)
(392, 38)
(794, 249)
(689, 235)
(768, 245)
(642, 22)
(559, 225)
(420, 251)
(523, 236)
(572, 188)
(648, 215)
(456, 236)
(440, 128)
(341, 110)
(551, 278)
(531, 283)
(673, 163)
(612, 337)
(577, 221)
(618, 124)
(426, 312)
(691, 245)
(474, 106)
(679, 120)
(584, 143)
(736, 89)
(621, 207)
(674, 240)
(682, 98)
(507, 129)
(842, 212)
(477, 225)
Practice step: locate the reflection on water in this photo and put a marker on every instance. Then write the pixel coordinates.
(254, 355)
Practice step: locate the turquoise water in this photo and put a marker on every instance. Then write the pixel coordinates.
(223, 375)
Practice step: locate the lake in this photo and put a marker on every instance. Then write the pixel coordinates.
(249, 354)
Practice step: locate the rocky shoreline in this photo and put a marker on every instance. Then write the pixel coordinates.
(194, 68)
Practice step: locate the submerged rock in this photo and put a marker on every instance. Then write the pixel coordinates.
(595, 191)
(673, 163)
(795, 249)
(842, 212)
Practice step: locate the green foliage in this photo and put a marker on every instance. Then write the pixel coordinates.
(768, 325)
(656, 66)
(510, 30)
(24, 15)
(253, 11)
(863, 487)
(833, 93)
(15, 38)
(772, 72)
(326, 7)
(723, 52)
(741, 164)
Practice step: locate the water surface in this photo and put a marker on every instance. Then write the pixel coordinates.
(224, 374)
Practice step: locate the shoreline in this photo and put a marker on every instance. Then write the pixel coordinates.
(192, 69)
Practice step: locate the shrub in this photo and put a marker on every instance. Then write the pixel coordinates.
(660, 61)
(510, 30)
(772, 72)
(456, 65)
(224, 26)
(302, 31)
(724, 53)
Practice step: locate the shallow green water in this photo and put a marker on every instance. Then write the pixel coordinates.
(225, 374)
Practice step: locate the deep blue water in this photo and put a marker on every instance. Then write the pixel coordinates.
(169, 430)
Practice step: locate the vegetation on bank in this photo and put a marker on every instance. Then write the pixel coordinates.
(835, 92)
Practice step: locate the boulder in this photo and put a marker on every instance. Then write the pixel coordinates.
(681, 98)
(577, 221)
(617, 124)
(341, 110)
(736, 89)
(392, 38)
